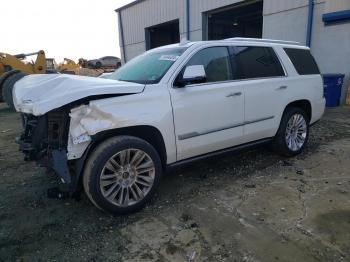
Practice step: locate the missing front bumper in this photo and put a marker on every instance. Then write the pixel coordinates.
(44, 141)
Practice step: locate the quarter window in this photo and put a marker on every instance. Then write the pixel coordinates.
(255, 62)
(216, 63)
(303, 61)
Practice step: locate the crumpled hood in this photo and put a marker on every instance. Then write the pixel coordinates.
(39, 94)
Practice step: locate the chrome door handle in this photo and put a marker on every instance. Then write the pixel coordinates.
(234, 94)
(282, 88)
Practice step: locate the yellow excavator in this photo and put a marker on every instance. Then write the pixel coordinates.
(15, 62)
(68, 65)
(13, 68)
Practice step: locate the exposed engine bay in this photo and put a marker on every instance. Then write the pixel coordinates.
(44, 139)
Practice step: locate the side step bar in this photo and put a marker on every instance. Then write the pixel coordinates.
(218, 153)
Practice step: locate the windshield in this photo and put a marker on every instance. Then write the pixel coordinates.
(148, 68)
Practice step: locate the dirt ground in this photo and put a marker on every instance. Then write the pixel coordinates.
(248, 206)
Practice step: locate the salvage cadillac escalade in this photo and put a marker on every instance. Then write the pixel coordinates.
(115, 137)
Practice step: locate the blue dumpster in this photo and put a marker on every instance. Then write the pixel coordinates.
(332, 84)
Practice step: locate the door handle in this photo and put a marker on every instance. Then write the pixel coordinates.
(234, 94)
(282, 88)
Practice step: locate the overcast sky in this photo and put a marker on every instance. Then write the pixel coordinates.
(64, 28)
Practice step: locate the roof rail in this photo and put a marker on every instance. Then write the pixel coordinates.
(260, 40)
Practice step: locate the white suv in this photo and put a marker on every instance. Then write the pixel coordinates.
(167, 107)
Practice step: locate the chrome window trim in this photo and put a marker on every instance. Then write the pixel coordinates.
(233, 80)
(182, 66)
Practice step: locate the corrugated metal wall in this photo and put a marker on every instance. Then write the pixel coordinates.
(276, 6)
(288, 25)
(148, 13)
(197, 7)
(337, 5)
(153, 12)
(330, 44)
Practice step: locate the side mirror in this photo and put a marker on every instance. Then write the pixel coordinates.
(193, 74)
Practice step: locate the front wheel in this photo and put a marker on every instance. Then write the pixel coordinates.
(122, 174)
(293, 133)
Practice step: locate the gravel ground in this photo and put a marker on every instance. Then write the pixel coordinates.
(247, 206)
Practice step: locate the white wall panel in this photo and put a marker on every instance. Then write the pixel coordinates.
(153, 12)
(275, 6)
(198, 7)
(330, 44)
(134, 50)
(290, 25)
(283, 19)
(337, 5)
(148, 13)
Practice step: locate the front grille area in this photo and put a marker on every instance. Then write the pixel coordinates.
(43, 134)
(44, 140)
(57, 122)
(33, 139)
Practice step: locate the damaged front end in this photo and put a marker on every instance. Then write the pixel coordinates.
(59, 140)
(60, 117)
(45, 140)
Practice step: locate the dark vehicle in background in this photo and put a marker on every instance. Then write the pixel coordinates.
(106, 61)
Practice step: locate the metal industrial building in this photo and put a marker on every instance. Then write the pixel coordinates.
(324, 25)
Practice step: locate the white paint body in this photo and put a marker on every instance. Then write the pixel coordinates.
(209, 111)
(39, 94)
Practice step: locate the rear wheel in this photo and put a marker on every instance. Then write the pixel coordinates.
(122, 174)
(293, 132)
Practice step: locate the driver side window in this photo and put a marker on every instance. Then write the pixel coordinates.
(216, 63)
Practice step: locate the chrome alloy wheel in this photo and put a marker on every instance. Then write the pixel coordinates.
(296, 132)
(127, 177)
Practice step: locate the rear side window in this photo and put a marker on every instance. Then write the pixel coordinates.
(216, 63)
(303, 61)
(255, 62)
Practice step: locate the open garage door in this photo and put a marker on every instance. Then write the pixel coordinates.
(237, 21)
(163, 34)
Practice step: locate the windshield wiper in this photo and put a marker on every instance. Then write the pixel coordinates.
(143, 82)
(129, 81)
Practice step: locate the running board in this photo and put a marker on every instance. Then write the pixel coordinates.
(218, 153)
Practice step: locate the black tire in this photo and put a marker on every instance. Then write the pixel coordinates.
(279, 143)
(2, 80)
(8, 68)
(95, 166)
(7, 87)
